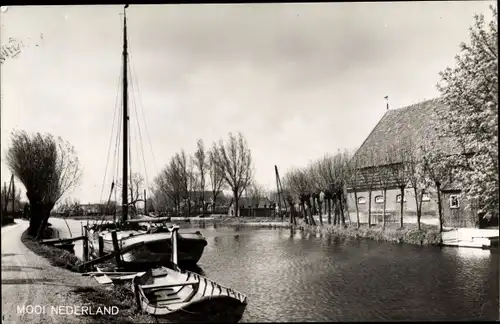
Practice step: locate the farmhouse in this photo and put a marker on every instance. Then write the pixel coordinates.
(382, 151)
(253, 207)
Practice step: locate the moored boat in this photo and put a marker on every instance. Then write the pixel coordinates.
(184, 296)
(157, 247)
(176, 295)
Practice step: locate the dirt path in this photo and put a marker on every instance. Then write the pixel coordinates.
(28, 279)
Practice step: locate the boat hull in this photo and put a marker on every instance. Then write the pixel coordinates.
(157, 247)
(220, 309)
(187, 297)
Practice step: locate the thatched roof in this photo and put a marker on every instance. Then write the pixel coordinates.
(416, 125)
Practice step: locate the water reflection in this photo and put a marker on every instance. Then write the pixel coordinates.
(289, 275)
(470, 253)
(292, 276)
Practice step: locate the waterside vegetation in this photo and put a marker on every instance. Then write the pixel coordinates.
(120, 296)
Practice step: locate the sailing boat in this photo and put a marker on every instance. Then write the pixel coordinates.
(157, 247)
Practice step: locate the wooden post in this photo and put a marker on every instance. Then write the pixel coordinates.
(278, 189)
(145, 209)
(175, 228)
(85, 244)
(6, 197)
(101, 246)
(13, 197)
(116, 248)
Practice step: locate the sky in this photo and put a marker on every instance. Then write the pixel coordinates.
(297, 80)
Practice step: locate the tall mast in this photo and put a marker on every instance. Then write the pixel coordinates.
(125, 121)
(278, 189)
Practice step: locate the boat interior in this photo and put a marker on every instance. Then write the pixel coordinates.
(166, 287)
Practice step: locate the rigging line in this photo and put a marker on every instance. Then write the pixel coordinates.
(134, 140)
(114, 155)
(143, 115)
(111, 136)
(138, 140)
(116, 160)
(129, 158)
(140, 136)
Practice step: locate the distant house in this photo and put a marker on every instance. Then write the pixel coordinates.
(419, 123)
(198, 198)
(253, 207)
(92, 209)
(206, 196)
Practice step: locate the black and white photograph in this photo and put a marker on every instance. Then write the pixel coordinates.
(249, 162)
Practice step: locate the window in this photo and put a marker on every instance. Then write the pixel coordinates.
(379, 199)
(361, 200)
(426, 198)
(398, 198)
(454, 202)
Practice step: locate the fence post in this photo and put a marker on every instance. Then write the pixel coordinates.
(116, 248)
(85, 244)
(101, 246)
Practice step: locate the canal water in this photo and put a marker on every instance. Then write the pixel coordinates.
(293, 276)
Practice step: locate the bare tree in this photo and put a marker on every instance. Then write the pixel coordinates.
(318, 183)
(235, 160)
(255, 193)
(201, 165)
(385, 181)
(353, 180)
(415, 177)
(170, 183)
(6, 202)
(342, 165)
(437, 170)
(192, 183)
(183, 168)
(48, 168)
(338, 170)
(216, 176)
(398, 161)
(68, 207)
(318, 172)
(370, 179)
(135, 190)
(299, 185)
(296, 185)
(288, 196)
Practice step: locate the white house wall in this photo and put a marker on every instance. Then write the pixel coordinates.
(429, 208)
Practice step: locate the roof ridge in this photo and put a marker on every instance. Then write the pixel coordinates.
(435, 99)
(369, 134)
(413, 120)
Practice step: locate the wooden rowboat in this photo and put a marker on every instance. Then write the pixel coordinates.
(108, 275)
(184, 296)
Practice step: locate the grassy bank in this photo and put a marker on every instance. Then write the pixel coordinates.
(120, 296)
(427, 235)
(57, 257)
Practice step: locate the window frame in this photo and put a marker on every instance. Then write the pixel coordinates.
(457, 197)
(380, 197)
(364, 200)
(399, 201)
(426, 197)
